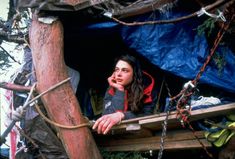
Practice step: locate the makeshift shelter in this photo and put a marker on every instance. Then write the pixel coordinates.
(88, 35)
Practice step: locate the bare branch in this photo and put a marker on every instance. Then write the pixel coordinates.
(9, 55)
(11, 38)
(14, 87)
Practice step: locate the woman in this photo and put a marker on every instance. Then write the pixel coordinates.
(128, 96)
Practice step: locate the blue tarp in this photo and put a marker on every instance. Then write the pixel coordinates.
(178, 49)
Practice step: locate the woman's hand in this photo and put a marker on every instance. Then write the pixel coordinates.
(106, 122)
(112, 82)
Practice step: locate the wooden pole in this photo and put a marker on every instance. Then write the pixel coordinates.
(47, 45)
(14, 87)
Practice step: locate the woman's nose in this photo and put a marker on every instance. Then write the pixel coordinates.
(119, 73)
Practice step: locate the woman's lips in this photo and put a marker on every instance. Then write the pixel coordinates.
(119, 80)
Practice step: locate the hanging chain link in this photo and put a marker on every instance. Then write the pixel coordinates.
(164, 125)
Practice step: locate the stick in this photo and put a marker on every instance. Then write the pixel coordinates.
(14, 87)
(27, 102)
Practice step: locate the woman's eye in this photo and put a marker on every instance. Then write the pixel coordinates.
(125, 71)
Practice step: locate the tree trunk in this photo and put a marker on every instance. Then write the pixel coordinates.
(47, 47)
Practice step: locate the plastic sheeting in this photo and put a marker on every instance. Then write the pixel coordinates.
(178, 49)
(174, 47)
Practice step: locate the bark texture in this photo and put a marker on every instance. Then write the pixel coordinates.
(47, 45)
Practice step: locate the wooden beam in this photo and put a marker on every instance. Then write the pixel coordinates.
(47, 47)
(123, 134)
(174, 140)
(155, 122)
(175, 145)
(141, 8)
(14, 87)
(171, 136)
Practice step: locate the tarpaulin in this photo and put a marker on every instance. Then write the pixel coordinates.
(178, 48)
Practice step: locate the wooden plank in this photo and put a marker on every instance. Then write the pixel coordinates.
(226, 108)
(122, 134)
(141, 8)
(175, 140)
(136, 120)
(155, 122)
(174, 145)
(81, 4)
(177, 135)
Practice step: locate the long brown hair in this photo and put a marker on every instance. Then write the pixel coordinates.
(136, 88)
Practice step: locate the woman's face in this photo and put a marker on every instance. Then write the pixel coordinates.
(123, 73)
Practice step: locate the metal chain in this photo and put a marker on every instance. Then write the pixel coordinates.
(164, 129)
(164, 125)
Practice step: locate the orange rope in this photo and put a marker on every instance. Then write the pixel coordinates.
(184, 113)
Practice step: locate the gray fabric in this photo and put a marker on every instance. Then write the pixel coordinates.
(75, 78)
(49, 144)
(30, 113)
(27, 59)
(116, 102)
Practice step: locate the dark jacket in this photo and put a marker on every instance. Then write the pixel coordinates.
(116, 100)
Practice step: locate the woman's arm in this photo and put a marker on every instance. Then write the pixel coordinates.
(113, 103)
(112, 113)
(147, 110)
(112, 116)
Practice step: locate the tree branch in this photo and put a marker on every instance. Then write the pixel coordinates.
(9, 55)
(14, 87)
(11, 38)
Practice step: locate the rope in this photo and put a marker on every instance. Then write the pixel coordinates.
(203, 146)
(47, 119)
(208, 7)
(61, 125)
(185, 93)
(220, 15)
(183, 114)
(212, 51)
(216, 43)
(50, 121)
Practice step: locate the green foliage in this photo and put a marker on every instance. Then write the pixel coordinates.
(207, 26)
(220, 61)
(121, 155)
(219, 58)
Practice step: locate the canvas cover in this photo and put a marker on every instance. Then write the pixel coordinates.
(175, 48)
